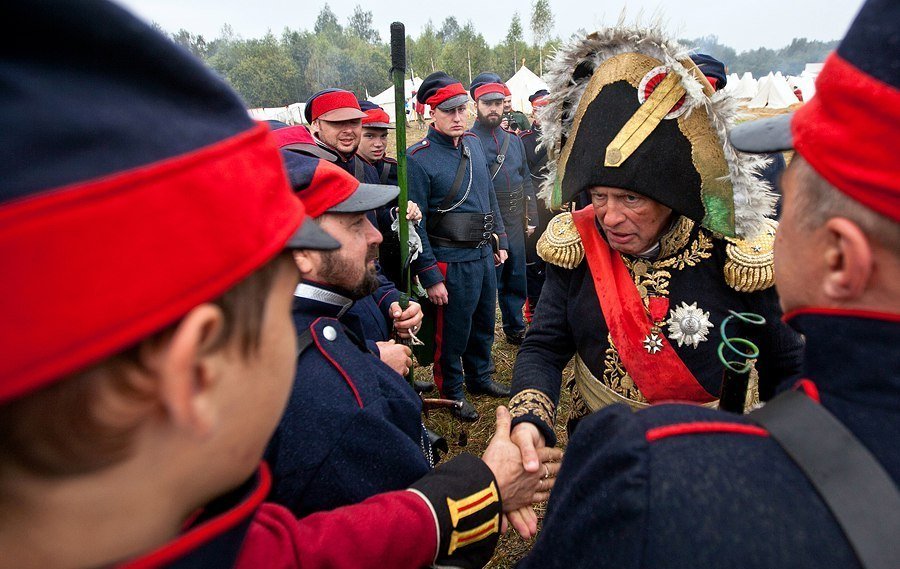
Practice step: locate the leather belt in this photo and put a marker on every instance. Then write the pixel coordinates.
(511, 202)
(463, 230)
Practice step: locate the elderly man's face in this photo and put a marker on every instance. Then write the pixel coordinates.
(340, 135)
(631, 222)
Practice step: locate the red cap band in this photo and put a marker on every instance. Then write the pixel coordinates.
(376, 116)
(329, 186)
(540, 102)
(849, 144)
(331, 101)
(491, 88)
(445, 93)
(92, 268)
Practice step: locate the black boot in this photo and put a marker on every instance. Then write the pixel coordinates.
(492, 388)
(423, 386)
(515, 338)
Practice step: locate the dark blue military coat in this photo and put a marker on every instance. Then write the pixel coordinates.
(352, 427)
(681, 486)
(432, 168)
(513, 173)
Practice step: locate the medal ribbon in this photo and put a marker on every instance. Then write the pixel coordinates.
(661, 376)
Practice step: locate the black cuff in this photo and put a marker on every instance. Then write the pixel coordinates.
(466, 501)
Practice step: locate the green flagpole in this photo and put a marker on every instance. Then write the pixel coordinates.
(398, 71)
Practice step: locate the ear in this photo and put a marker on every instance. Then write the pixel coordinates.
(191, 367)
(848, 260)
(305, 261)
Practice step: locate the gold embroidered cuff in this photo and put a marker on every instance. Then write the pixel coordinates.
(534, 402)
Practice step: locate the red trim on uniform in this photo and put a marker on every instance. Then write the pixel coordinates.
(94, 267)
(853, 313)
(703, 428)
(437, 369)
(331, 101)
(661, 376)
(445, 93)
(330, 185)
(488, 88)
(848, 144)
(292, 135)
(385, 295)
(478, 502)
(476, 536)
(809, 388)
(376, 116)
(333, 362)
(206, 531)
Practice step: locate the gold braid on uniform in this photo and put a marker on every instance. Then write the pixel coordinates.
(560, 244)
(534, 402)
(749, 267)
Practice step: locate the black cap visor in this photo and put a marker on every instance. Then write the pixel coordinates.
(764, 135)
(367, 197)
(311, 236)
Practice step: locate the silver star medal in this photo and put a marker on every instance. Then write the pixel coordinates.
(689, 324)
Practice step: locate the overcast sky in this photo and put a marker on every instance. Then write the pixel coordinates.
(742, 24)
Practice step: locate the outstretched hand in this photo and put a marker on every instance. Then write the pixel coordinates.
(520, 488)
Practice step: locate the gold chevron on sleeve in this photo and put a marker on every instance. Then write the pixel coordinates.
(472, 504)
(644, 120)
(463, 538)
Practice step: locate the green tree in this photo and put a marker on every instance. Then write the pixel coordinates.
(449, 30)
(541, 25)
(327, 23)
(513, 48)
(360, 25)
(195, 44)
(260, 70)
(466, 55)
(424, 53)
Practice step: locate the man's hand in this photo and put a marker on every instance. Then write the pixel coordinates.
(413, 213)
(406, 320)
(397, 356)
(437, 294)
(518, 487)
(529, 440)
(500, 257)
(529, 230)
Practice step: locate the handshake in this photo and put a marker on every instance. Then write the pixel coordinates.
(525, 469)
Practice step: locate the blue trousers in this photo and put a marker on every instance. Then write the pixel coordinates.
(465, 326)
(511, 279)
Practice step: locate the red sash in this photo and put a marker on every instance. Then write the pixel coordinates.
(661, 376)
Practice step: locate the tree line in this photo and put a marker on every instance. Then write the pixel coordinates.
(275, 71)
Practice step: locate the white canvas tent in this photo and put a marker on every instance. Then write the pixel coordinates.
(774, 93)
(291, 114)
(522, 85)
(385, 99)
(745, 88)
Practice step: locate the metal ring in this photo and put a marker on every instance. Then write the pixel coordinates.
(541, 485)
(546, 470)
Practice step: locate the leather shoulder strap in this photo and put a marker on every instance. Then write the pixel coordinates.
(498, 163)
(862, 497)
(435, 220)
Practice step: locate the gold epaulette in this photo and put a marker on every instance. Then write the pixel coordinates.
(749, 267)
(560, 244)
